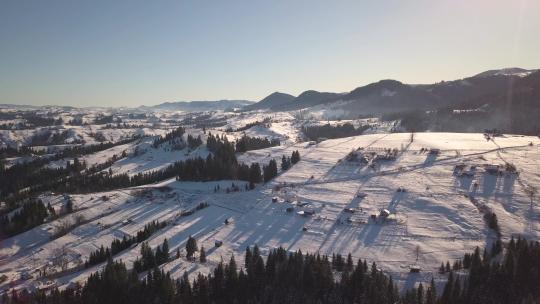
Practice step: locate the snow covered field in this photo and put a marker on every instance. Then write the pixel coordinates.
(439, 210)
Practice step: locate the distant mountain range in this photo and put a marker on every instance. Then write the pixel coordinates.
(388, 96)
(382, 97)
(201, 106)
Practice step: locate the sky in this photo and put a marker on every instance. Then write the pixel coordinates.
(131, 53)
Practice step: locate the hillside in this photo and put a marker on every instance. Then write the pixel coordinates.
(440, 211)
(272, 101)
(392, 96)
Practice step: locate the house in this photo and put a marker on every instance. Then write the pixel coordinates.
(434, 151)
(459, 168)
(492, 169)
(414, 268)
(384, 213)
(302, 204)
(348, 210)
(306, 213)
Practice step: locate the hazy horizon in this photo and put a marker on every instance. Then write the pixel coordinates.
(132, 53)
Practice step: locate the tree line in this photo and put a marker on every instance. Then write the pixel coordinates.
(31, 214)
(295, 277)
(30, 121)
(247, 143)
(33, 174)
(149, 258)
(329, 131)
(495, 276)
(284, 278)
(170, 137)
(117, 245)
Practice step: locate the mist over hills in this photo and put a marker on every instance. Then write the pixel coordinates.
(199, 106)
(390, 96)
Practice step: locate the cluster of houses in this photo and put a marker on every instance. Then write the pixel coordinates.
(372, 156)
(304, 208)
(463, 170)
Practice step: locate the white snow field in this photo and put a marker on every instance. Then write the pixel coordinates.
(440, 210)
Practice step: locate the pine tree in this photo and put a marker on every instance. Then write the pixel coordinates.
(431, 294)
(420, 294)
(285, 163)
(295, 157)
(248, 257)
(255, 173)
(69, 206)
(191, 247)
(202, 255)
(165, 251)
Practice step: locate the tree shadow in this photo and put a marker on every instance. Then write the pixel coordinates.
(489, 183)
(430, 159)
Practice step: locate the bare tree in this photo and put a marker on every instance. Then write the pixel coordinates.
(417, 252)
(79, 219)
(531, 192)
(60, 257)
(62, 228)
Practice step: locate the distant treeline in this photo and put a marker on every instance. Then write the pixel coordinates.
(106, 119)
(246, 143)
(171, 137)
(33, 176)
(30, 121)
(30, 215)
(221, 164)
(523, 121)
(265, 122)
(48, 137)
(330, 131)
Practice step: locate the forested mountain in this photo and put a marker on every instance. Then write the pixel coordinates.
(392, 96)
(514, 107)
(308, 99)
(271, 101)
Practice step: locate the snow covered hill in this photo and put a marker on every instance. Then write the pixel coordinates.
(436, 188)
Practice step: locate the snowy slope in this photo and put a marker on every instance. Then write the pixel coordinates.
(435, 212)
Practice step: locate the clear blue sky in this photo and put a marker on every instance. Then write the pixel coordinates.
(129, 53)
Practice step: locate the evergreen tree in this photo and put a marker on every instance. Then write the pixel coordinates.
(431, 294)
(270, 171)
(285, 163)
(191, 246)
(202, 255)
(69, 206)
(255, 173)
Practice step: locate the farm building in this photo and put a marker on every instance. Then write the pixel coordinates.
(384, 213)
(434, 151)
(492, 169)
